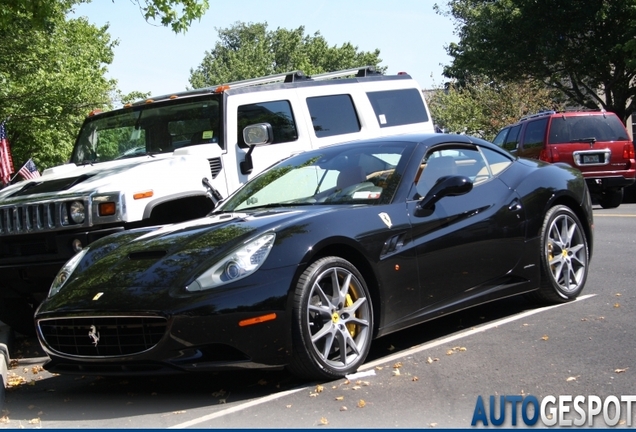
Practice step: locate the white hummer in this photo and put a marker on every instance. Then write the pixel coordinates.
(170, 158)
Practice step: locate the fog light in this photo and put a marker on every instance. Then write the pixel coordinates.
(77, 245)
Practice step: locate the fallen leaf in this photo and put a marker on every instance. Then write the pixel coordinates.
(432, 424)
(449, 352)
(34, 421)
(357, 387)
(319, 389)
(366, 383)
(397, 365)
(339, 398)
(313, 394)
(617, 305)
(545, 337)
(347, 382)
(620, 370)
(391, 348)
(379, 367)
(178, 412)
(324, 421)
(288, 406)
(361, 403)
(343, 408)
(429, 360)
(570, 379)
(415, 378)
(4, 419)
(396, 372)
(618, 294)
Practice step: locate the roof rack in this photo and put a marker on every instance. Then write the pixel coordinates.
(539, 114)
(287, 77)
(359, 72)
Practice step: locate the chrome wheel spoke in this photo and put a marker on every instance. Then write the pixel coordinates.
(566, 253)
(339, 317)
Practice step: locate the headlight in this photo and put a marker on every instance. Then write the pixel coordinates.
(77, 212)
(238, 264)
(65, 272)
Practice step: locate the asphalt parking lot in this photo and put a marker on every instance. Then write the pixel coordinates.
(427, 376)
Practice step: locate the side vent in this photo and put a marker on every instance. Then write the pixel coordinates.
(215, 166)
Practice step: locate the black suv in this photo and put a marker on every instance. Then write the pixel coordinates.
(595, 142)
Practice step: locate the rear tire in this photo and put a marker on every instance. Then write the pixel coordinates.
(332, 322)
(610, 198)
(564, 257)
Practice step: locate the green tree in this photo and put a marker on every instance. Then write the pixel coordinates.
(586, 49)
(50, 79)
(481, 107)
(176, 14)
(251, 50)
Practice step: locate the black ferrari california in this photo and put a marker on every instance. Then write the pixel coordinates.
(311, 260)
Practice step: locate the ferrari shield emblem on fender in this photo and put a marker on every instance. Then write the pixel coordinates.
(94, 335)
(386, 219)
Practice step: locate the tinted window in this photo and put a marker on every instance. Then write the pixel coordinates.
(398, 107)
(333, 115)
(535, 133)
(500, 139)
(277, 113)
(600, 127)
(512, 139)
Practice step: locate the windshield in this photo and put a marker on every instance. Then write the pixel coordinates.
(361, 174)
(148, 129)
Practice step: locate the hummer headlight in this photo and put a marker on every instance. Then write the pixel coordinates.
(77, 212)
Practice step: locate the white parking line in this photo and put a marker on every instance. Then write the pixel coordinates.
(466, 333)
(377, 362)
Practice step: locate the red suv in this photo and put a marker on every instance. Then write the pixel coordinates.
(595, 142)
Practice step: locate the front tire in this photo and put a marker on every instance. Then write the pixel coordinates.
(332, 320)
(564, 256)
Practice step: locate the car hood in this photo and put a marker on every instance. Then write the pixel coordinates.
(82, 179)
(162, 261)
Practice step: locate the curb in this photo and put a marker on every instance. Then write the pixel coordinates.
(5, 361)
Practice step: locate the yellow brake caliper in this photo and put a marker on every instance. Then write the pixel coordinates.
(353, 329)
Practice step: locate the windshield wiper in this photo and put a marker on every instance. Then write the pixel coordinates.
(280, 204)
(591, 140)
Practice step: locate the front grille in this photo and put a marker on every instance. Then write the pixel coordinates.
(111, 336)
(38, 217)
(215, 166)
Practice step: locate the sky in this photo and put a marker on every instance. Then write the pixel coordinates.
(410, 35)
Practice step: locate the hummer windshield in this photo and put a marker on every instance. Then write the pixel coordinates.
(158, 127)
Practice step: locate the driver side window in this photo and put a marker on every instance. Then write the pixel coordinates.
(479, 165)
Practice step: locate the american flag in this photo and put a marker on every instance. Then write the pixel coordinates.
(29, 170)
(6, 162)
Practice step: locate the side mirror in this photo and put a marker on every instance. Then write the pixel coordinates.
(445, 186)
(255, 135)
